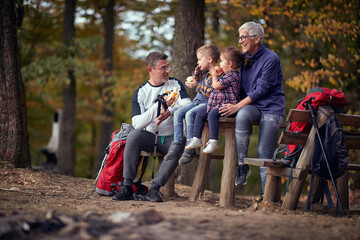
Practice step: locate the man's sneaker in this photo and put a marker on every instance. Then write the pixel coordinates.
(194, 143)
(211, 146)
(125, 193)
(175, 151)
(187, 156)
(154, 195)
(242, 173)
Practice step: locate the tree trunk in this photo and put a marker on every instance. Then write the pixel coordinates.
(66, 152)
(189, 36)
(108, 111)
(14, 138)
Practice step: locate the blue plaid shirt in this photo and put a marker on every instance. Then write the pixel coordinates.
(230, 92)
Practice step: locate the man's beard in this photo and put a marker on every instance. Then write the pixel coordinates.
(165, 78)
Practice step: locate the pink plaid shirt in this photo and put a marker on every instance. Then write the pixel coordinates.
(230, 92)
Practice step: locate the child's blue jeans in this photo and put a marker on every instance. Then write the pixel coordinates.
(188, 113)
(213, 120)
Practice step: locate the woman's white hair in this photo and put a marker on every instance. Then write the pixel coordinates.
(253, 28)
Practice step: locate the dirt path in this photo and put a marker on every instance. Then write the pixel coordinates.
(38, 205)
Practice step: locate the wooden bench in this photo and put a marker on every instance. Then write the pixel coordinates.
(227, 188)
(276, 169)
(169, 188)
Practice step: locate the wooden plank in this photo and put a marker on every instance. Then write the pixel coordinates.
(351, 132)
(151, 154)
(352, 139)
(232, 120)
(349, 120)
(261, 162)
(284, 172)
(296, 115)
(226, 120)
(353, 167)
(287, 137)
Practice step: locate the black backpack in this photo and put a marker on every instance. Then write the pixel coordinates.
(337, 155)
(332, 137)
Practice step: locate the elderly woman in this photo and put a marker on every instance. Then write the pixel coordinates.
(264, 99)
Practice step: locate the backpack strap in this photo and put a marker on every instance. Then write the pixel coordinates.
(279, 149)
(292, 164)
(288, 159)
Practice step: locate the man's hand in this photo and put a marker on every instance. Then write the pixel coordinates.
(163, 115)
(169, 100)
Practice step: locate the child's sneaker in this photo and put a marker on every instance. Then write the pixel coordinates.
(194, 143)
(211, 146)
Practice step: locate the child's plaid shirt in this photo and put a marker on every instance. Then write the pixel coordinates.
(230, 92)
(203, 83)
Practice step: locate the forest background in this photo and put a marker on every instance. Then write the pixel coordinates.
(317, 41)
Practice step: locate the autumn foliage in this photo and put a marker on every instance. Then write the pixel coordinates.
(317, 41)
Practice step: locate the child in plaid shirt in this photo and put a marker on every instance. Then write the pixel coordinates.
(207, 56)
(225, 89)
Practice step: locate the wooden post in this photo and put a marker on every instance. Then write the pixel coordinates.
(168, 189)
(296, 185)
(229, 168)
(202, 171)
(273, 188)
(343, 190)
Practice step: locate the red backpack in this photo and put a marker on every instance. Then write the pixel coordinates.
(322, 97)
(110, 175)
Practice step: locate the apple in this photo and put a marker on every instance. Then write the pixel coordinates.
(190, 79)
(219, 70)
